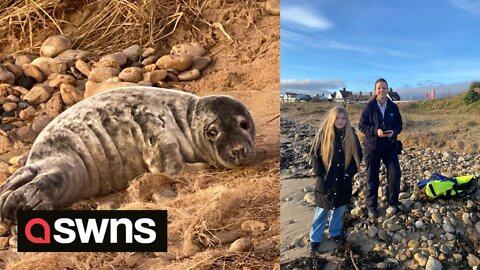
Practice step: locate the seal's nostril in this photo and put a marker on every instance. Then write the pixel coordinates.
(238, 152)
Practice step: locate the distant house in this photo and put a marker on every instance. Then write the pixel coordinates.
(394, 96)
(294, 97)
(321, 98)
(342, 96)
(360, 97)
(331, 97)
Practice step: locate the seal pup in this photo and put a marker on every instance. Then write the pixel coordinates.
(99, 144)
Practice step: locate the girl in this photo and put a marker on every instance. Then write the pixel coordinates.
(336, 155)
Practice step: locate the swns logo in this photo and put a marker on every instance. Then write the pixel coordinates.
(92, 231)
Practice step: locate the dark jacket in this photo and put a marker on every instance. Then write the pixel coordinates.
(334, 189)
(372, 120)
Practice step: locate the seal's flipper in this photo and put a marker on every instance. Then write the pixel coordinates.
(19, 178)
(36, 193)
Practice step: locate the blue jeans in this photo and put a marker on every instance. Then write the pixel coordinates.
(320, 220)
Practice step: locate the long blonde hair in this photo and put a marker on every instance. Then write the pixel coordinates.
(325, 138)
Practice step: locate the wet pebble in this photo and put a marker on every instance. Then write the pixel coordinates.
(473, 260)
(433, 264)
(448, 228)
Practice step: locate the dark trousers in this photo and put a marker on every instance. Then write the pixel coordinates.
(372, 161)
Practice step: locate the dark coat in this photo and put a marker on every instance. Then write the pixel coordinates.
(334, 189)
(372, 120)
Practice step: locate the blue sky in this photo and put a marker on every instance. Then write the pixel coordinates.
(415, 45)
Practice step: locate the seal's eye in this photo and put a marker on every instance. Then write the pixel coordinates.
(212, 133)
(244, 124)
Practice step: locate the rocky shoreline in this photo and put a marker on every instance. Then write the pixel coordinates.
(434, 234)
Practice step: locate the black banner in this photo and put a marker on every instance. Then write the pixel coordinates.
(92, 231)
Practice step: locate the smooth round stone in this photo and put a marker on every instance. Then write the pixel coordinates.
(38, 94)
(150, 59)
(401, 257)
(150, 68)
(473, 260)
(147, 52)
(241, 245)
(158, 75)
(70, 56)
(101, 73)
(189, 75)
(14, 69)
(131, 74)
(403, 195)
(58, 79)
(179, 63)
(383, 235)
(395, 227)
(119, 57)
(192, 49)
(9, 106)
(450, 236)
(83, 67)
(477, 226)
(133, 52)
(7, 77)
(413, 244)
(419, 224)
(22, 59)
(53, 107)
(437, 218)
(448, 228)
(55, 45)
(201, 62)
(433, 264)
(49, 65)
(466, 219)
(70, 94)
(420, 258)
(13, 98)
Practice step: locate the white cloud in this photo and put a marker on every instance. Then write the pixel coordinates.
(305, 17)
(472, 6)
(292, 39)
(311, 86)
